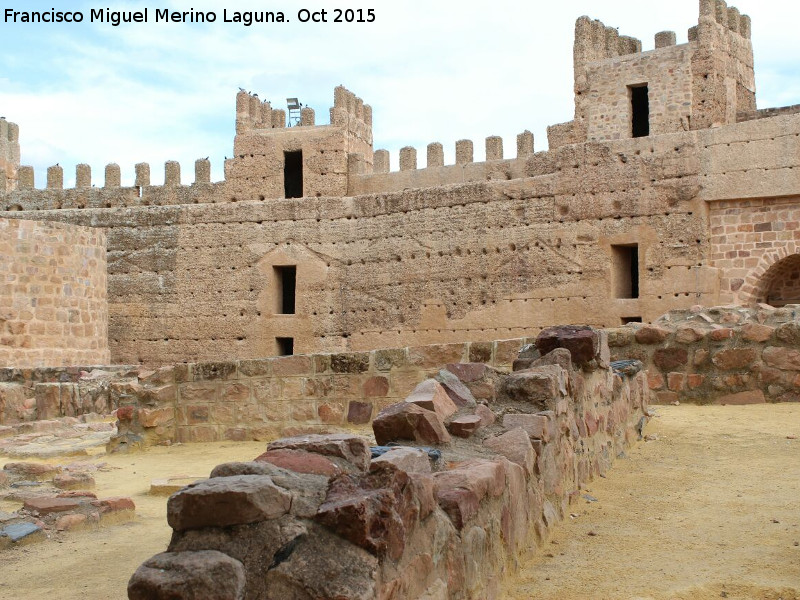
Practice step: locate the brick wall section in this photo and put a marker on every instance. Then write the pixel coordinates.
(53, 307)
(755, 243)
(726, 355)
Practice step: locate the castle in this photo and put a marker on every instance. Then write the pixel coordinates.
(668, 189)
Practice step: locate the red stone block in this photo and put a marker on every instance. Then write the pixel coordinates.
(114, 504)
(300, 462)
(46, 506)
(407, 421)
(650, 334)
(465, 426)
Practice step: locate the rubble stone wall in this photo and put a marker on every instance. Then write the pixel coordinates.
(53, 303)
(439, 515)
(242, 400)
(724, 355)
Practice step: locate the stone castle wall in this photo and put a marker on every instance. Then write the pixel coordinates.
(53, 304)
(445, 521)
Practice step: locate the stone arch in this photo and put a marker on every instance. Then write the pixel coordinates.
(776, 279)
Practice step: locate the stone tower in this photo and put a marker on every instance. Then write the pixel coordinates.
(9, 155)
(275, 161)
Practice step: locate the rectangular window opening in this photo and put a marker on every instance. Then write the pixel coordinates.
(285, 289)
(285, 346)
(640, 111)
(625, 270)
(626, 320)
(293, 174)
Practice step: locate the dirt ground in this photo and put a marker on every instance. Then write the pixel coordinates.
(709, 509)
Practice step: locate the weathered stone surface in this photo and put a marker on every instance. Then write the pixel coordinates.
(113, 504)
(789, 333)
(516, 446)
(300, 462)
(31, 470)
(308, 491)
(734, 358)
(459, 393)
(431, 395)
(359, 413)
(755, 332)
(22, 532)
(669, 358)
(687, 334)
(485, 413)
(749, 397)
(70, 522)
(376, 387)
(353, 571)
(540, 386)
(223, 501)
(352, 448)
(410, 460)
(465, 426)
(74, 481)
(46, 506)
(200, 575)
(583, 343)
(407, 421)
(782, 358)
(650, 334)
(558, 356)
(536, 426)
(372, 511)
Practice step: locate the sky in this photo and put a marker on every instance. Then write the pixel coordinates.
(433, 71)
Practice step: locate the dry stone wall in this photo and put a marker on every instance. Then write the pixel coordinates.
(723, 355)
(53, 304)
(438, 515)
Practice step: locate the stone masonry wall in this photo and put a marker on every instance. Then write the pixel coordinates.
(438, 515)
(723, 355)
(244, 400)
(53, 303)
(756, 243)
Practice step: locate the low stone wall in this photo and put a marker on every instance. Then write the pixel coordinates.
(434, 517)
(53, 306)
(242, 400)
(722, 355)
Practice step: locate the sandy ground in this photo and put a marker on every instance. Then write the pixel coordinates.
(710, 509)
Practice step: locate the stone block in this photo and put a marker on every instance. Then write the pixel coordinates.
(734, 358)
(359, 413)
(465, 426)
(357, 362)
(667, 359)
(516, 446)
(540, 386)
(300, 462)
(538, 427)
(206, 574)
(407, 421)
(351, 448)
(432, 396)
(650, 334)
(459, 393)
(782, 358)
(224, 501)
(375, 387)
(410, 460)
(748, 397)
(755, 332)
(584, 343)
(44, 506)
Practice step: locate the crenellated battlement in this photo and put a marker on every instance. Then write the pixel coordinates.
(435, 172)
(110, 193)
(622, 92)
(9, 155)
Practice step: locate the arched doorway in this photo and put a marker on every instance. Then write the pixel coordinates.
(780, 284)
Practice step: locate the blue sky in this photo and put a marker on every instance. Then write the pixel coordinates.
(432, 70)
